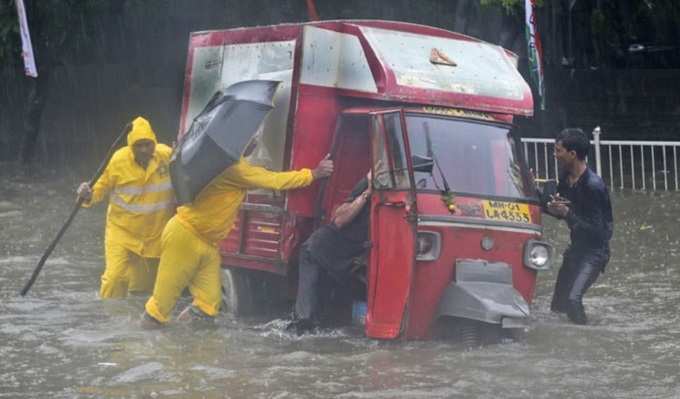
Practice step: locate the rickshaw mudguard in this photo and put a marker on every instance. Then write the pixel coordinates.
(483, 291)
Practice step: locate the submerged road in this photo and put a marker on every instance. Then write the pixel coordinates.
(61, 341)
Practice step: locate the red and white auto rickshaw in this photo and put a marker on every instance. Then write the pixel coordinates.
(455, 223)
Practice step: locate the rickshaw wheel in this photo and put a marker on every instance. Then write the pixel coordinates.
(464, 331)
(237, 292)
(470, 334)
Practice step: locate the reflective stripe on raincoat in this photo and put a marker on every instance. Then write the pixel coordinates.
(141, 201)
(212, 213)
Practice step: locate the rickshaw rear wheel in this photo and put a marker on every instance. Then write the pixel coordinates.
(237, 292)
(251, 292)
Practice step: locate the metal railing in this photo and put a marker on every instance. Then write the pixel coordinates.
(638, 165)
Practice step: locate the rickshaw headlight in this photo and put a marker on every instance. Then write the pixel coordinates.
(428, 245)
(537, 255)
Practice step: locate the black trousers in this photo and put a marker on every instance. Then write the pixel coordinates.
(580, 269)
(323, 265)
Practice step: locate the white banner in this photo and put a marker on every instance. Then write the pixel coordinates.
(26, 47)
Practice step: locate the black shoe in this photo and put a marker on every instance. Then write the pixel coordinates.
(300, 326)
(577, 314)
(558, 308)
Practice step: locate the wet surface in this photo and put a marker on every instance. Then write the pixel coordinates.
(61, 341)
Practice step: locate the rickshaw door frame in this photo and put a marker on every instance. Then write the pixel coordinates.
(393, 226)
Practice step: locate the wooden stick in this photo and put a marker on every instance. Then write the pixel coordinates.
(74, 211)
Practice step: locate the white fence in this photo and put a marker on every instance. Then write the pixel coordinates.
(636, 165)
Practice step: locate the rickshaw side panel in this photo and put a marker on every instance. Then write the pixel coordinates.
(275, 239)
(350, 155)
(215, 39)
(317, 110)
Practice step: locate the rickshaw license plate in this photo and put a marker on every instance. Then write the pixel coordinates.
(506, 211)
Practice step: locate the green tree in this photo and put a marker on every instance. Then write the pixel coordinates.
(509, 5)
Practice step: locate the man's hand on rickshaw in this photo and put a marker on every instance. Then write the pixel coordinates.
(324, 168)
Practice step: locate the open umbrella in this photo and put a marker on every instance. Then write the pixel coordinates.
(219, 134)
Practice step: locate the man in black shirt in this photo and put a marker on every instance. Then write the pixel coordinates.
(582, 200)
(330, 249)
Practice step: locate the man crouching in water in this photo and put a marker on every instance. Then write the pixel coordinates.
(582, 200)
(329, 251)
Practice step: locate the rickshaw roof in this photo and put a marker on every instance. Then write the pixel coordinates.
(396, 61)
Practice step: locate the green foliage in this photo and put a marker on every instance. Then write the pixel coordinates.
(510, 6)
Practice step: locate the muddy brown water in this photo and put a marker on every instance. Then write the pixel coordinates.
(61, 341)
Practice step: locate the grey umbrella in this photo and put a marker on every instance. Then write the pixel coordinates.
(219, 134)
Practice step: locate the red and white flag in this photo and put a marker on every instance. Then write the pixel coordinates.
(535, 50)
(26, 47)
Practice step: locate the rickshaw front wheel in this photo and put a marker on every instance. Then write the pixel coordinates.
(470, 333)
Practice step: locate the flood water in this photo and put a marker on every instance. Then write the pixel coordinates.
(61, 341)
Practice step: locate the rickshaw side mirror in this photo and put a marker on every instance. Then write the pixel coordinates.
(422, 164)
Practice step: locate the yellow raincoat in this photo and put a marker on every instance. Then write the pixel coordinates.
(140, 203)
(190, 256)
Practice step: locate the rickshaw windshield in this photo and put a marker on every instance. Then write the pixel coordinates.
(475, 158)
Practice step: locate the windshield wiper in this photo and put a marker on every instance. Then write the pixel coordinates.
(430, 154)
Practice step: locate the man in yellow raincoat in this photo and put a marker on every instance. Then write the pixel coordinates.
(141, 201)
(190, 257)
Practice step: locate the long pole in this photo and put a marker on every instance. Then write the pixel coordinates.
(74, 211)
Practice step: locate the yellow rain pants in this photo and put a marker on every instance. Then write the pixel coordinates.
(189, 253)
(141, 201)
(126, 272)
(187, 261)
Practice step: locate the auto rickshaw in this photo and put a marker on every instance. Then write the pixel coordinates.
(455, 230)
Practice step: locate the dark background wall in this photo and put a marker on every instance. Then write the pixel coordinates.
(135, 62)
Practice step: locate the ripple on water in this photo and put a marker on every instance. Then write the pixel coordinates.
(62, 341)
(147, 371)
(213, 373)
(16, 260)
